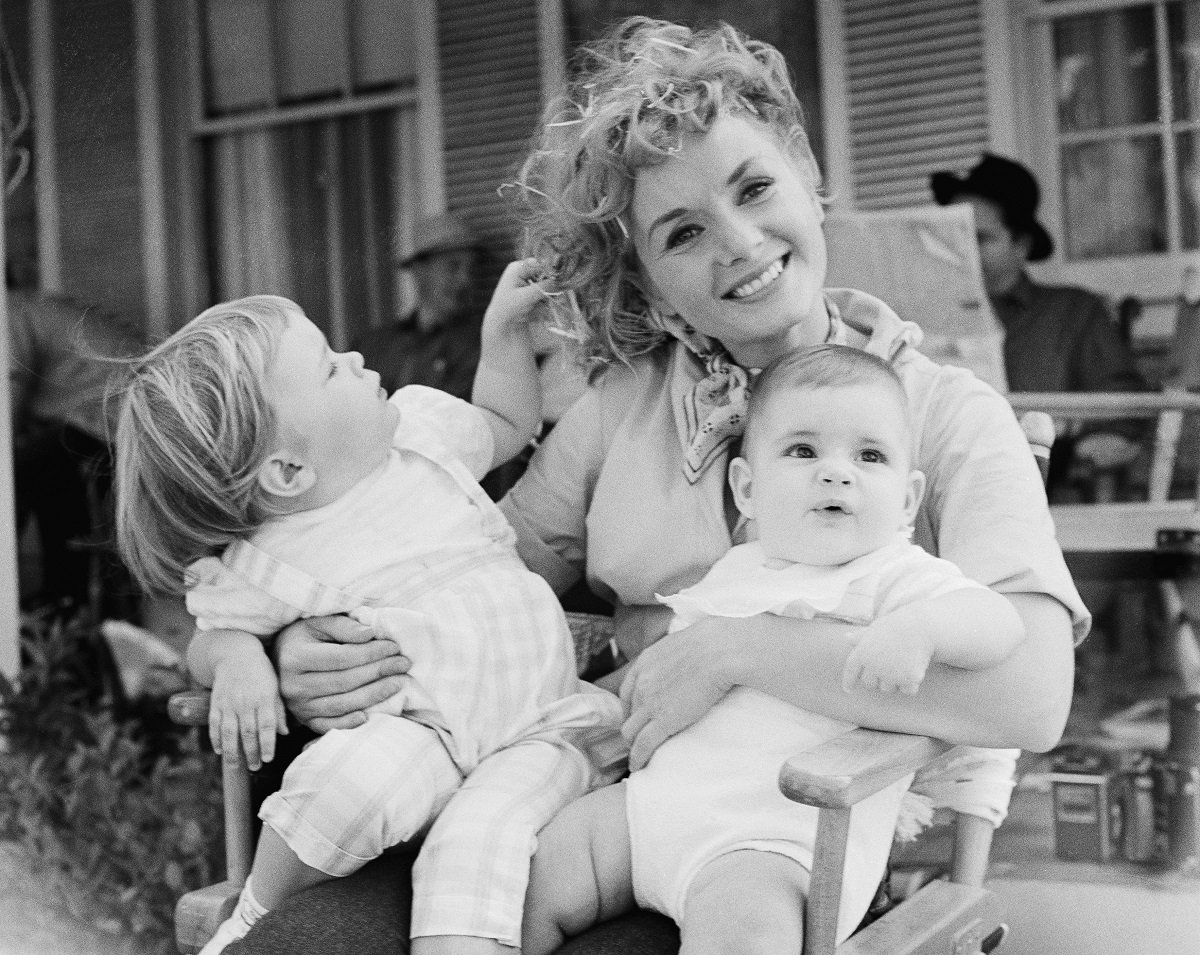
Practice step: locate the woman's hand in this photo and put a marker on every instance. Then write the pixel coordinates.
(672, 684)
(332, 669)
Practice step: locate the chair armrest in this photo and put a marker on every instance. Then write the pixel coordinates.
(845, 770)
(189, 707)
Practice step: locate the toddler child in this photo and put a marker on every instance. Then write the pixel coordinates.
(826, 481)
(278, 479)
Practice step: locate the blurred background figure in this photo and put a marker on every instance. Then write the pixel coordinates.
(436, 343)
(1184, 371)
(60, 374)
(1057, 338)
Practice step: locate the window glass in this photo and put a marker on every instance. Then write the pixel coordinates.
(1183, 33)
(307, 210)
(1113, 197)
(1187, 150)
(1106, 69)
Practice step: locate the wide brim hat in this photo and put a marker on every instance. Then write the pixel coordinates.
(441, 233)
(1008, 184)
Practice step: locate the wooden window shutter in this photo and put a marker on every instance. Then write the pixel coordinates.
(491, 101)
(915, 84)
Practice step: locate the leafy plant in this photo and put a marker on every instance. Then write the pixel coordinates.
(117, 822)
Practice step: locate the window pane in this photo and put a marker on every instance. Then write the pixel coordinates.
(313, 49)
(1187, 148)
(1183, 35)
(271, 194)
(1105, 69)
(383, 43)
(237, 44)
(1113, 198)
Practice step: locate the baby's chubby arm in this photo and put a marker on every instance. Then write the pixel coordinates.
(246, 711)
(507, 388)
(893, 654)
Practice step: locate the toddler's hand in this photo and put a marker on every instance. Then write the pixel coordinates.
(246, 710)
(517, 295)
(885, 662)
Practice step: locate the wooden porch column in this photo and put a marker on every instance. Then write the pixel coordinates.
(9, 619)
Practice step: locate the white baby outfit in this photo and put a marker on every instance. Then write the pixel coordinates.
(714, 788)
(497, 732)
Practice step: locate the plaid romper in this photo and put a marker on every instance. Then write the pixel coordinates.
(492, 733)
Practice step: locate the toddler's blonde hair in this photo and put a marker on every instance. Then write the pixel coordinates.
(194, 427)
(635, 94)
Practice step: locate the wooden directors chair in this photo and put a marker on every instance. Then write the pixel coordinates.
(956, 916)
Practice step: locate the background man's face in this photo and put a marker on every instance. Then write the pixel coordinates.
(445, 283)
(1001, 254)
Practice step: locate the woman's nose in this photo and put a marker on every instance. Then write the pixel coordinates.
(355, 361)
(740, 235)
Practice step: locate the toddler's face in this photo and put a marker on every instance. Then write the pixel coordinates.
(329, 409)
(829, 477)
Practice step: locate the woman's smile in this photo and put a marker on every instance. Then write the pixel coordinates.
(764, 280)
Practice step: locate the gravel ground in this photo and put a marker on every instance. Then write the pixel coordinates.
(32, 924)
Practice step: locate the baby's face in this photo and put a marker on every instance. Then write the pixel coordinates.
(829, 476)
(329, 409)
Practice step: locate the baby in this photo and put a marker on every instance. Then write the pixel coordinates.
(278, 480)
(826, 481)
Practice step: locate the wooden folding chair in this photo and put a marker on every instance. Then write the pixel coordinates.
(945, 917)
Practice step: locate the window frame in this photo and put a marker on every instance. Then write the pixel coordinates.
(423, 96)
(1152, 277)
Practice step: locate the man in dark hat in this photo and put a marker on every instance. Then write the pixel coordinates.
(437, 342)
(1057, 338)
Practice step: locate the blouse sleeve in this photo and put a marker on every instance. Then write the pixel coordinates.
(986, 505)
(224, 600)
(458, 425)
(548, 506)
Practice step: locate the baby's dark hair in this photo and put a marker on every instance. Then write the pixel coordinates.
(821, 366)
(637, 92)
(194, 427)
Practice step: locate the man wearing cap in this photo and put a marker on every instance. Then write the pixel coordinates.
(437, 343)
(1057, 338)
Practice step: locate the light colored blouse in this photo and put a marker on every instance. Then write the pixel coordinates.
(605, 494)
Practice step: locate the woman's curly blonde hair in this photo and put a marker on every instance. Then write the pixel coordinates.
(635, 93)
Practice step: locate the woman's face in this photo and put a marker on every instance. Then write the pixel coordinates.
(728, 235)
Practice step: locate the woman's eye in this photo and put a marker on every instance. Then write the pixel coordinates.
(333, 368)
(682, 235)
(755, 189)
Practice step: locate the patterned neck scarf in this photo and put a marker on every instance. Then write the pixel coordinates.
(714, 410)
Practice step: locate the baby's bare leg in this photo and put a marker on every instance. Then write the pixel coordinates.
(746, 902)
(581, 873)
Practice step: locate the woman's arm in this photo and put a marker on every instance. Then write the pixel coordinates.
(1022, 702)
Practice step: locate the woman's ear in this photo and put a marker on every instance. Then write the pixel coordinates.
(740, 481)
(916, 491)
(284, 474)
